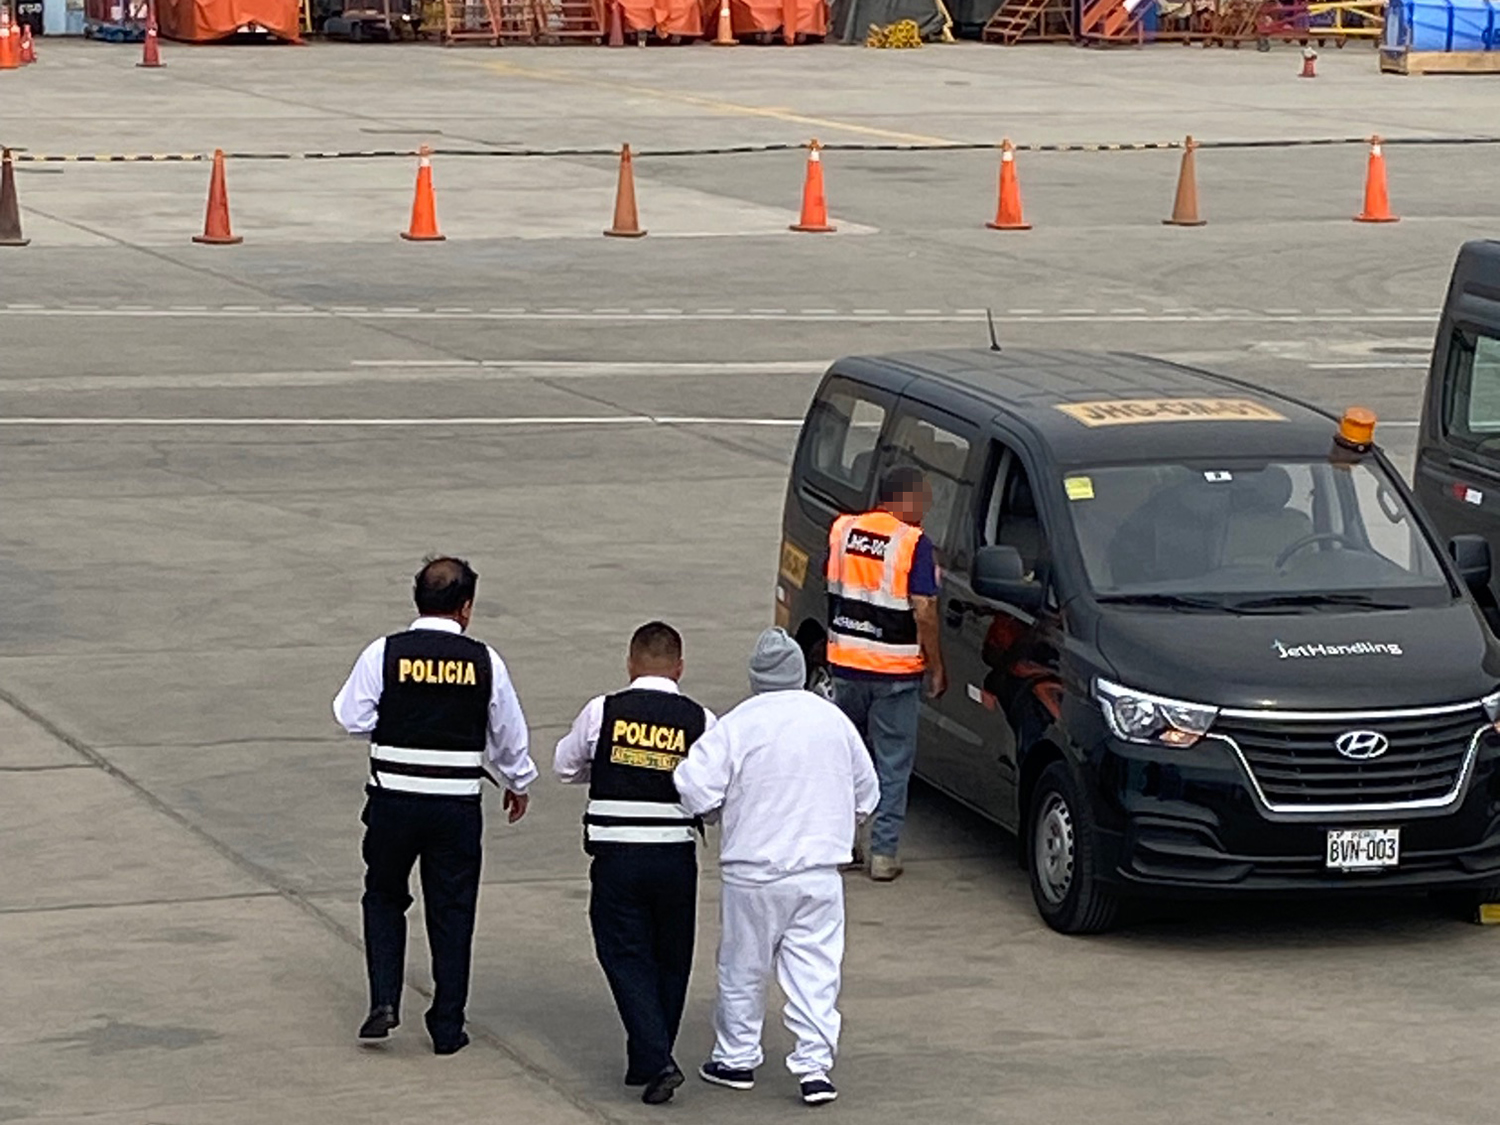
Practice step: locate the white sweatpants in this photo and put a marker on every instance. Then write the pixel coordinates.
(795, 924)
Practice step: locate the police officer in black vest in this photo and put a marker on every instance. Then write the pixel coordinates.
(441, 715)
(643, 909)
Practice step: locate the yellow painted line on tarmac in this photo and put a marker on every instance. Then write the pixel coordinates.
(716, 105)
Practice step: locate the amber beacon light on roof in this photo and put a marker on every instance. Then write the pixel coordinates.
(1356, 432)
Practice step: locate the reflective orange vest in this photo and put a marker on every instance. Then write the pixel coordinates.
(871, 625)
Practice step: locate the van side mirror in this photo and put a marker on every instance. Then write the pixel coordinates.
(1471, 554)
(1000, 575)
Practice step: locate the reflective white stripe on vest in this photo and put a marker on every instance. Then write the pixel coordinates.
(653, 810)
(432, 786)
(904, 534)
(871, 597)
(638, 834)
(879, 648)
(460, 759)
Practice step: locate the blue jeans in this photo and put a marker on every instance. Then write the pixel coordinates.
(886, 713)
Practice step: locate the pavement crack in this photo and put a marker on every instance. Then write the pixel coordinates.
(66, 906)
(706, 437)
(48, 768)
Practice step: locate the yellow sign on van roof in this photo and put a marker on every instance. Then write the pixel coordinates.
(1130, 411)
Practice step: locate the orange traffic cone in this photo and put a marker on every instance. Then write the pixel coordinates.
(10, 209)
(1185, 206)
(28, 48)
(789, 22)
(616, 25)
(216, 230)
(10, 57)
(150, 48)
(627, 223)
(1008, 213)
(1309, 59)
(424, 226)
(1377, 199)
(725, 37)
(814, 218)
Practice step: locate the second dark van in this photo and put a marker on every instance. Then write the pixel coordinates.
(1199, 639)
(1457, 478)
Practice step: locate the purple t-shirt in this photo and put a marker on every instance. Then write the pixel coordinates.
(923, 581)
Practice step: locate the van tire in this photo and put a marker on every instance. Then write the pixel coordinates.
(1064, 857)
(819, 677)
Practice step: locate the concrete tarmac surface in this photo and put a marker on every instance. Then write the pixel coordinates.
(219, 468)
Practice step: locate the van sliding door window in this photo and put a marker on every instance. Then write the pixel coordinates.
(842, 435)
(942, 456)
(1473, 398)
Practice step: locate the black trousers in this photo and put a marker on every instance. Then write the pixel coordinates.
(644, 911)
(445, 834)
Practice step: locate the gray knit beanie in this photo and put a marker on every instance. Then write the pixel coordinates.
(777, 663)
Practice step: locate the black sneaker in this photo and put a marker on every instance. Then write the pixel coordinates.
(451, 1046)
(381, 1021)
(817, 1090)
(660, 1089)
(727, 1076)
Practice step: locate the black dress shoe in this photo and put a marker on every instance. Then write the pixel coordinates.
(660, 1089)
(451, 1046)
(381, 1021)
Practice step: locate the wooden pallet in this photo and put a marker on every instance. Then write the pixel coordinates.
(570, 19)
(488, 21)
(1402, 61)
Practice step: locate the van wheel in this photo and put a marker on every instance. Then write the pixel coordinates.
(1064, 875)
(819, 678)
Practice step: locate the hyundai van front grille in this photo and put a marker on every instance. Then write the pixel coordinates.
(1295, 766)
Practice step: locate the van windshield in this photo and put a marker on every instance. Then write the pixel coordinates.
(1241, 530)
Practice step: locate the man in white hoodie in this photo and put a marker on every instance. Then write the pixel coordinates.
(791, 778)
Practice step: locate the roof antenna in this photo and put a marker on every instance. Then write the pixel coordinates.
(989, 317)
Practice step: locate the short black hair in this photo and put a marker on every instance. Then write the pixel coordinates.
(900, 481)
(444, 585)
(656, 642)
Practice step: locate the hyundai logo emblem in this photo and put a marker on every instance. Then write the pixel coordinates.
(1361, 744)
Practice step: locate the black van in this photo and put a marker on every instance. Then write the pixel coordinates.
(1457, 478)
(1198, 640)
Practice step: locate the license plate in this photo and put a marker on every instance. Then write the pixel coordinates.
(1361, 849)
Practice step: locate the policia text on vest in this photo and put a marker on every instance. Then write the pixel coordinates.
(644, 871)
(436, 672)
(441, 716)
(648, 745)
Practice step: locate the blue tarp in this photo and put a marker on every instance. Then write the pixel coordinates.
(1443, 25)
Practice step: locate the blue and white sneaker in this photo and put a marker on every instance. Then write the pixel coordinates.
(727, 1076)
(817, 1090)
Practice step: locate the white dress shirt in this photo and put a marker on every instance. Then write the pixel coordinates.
(792, 776)
(356, 707)
(573, 761)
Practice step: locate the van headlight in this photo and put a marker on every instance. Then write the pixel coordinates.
(1153, 720)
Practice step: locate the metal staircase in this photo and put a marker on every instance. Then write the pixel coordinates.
(1031, 21)
(1111, 20)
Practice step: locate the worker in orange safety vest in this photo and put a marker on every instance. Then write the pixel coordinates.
(883, 641)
